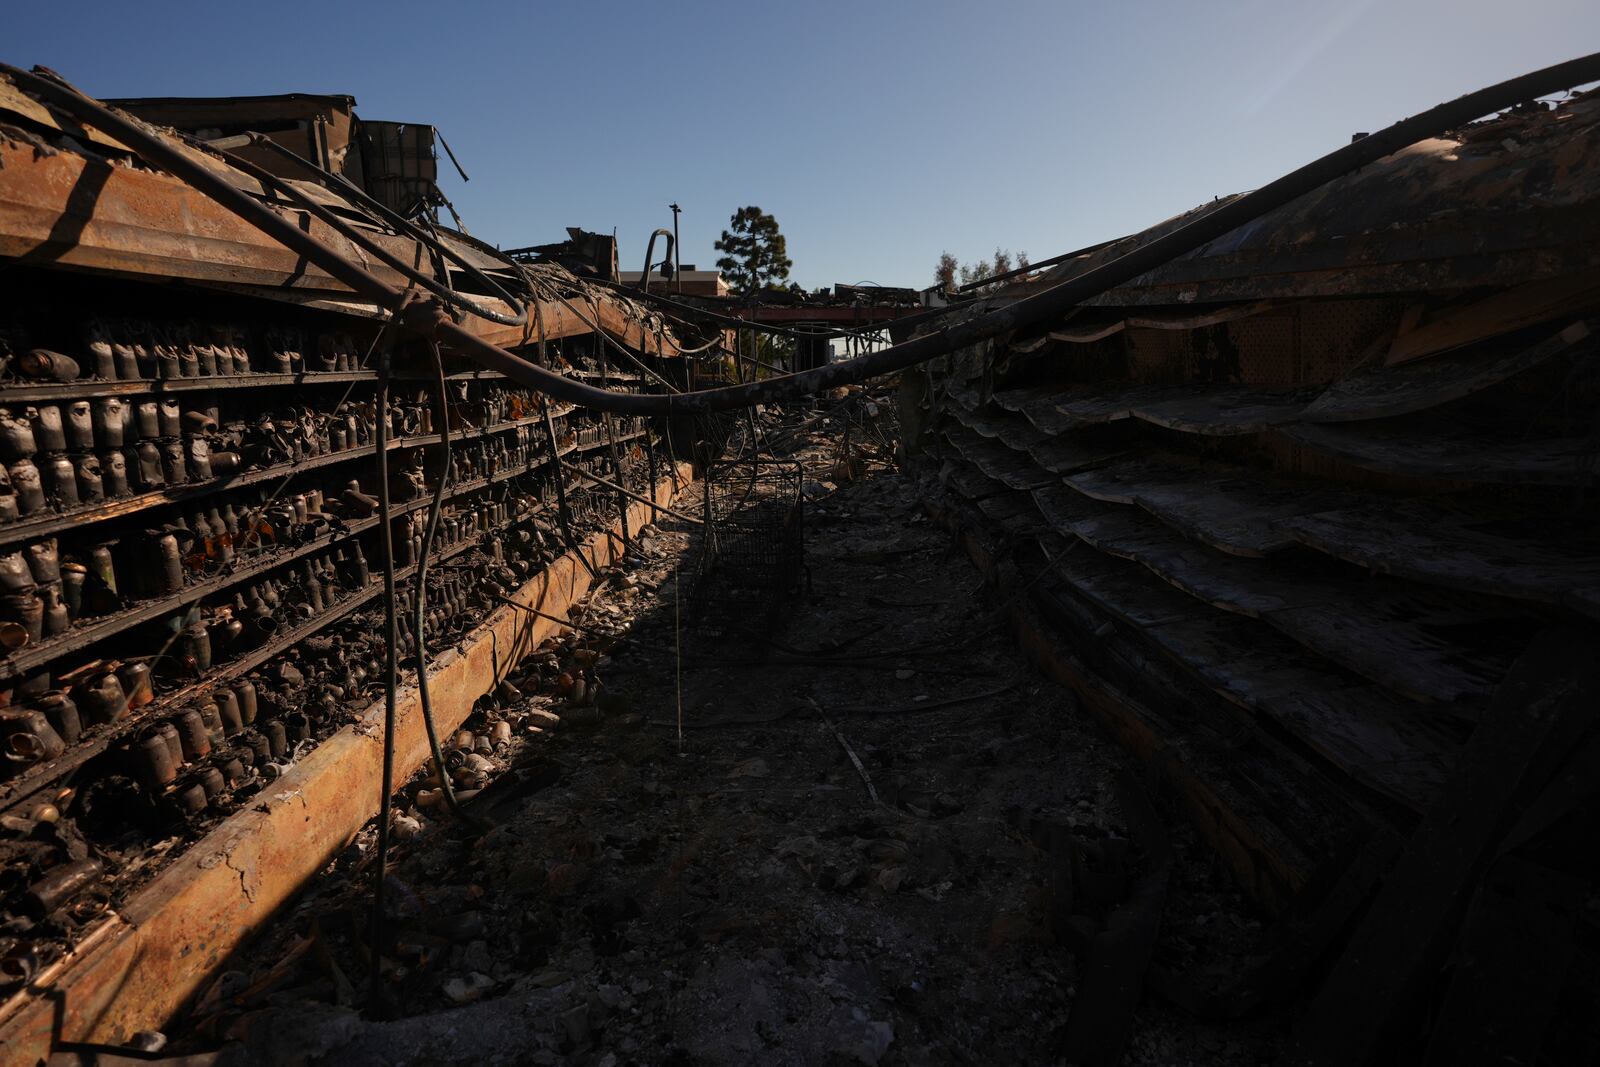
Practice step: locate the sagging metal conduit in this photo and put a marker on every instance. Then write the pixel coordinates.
(650, 255)
(429, 319)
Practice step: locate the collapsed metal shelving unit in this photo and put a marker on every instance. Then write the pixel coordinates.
(190, 552)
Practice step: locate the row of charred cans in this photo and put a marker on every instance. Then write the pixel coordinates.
(141, 350)
(64, 457)
(189, 593)
(203, 757)
(206, 757)
(42, 594)
(45, 589)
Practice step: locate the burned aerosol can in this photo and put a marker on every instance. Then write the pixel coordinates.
(16, 436)
(170, 417)
(192, 735)
(167, 574)
(199, 459)
(60, 480)
(44, 561)
(100, 698)
(28, 736)
(62, 713)
(110, 418)
(91, 481)
(55, 618)
(151, 473)
(103, 566)
(147, 419)
(48, 430)
(135, 680)
(80, 426)
(73, 577)
(153, 763)
(194, 645)
(114, 474)
(173, 467)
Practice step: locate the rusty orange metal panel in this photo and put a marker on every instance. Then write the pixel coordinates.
(59, 208)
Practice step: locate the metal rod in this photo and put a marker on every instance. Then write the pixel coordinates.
(630, 494)
(677, 265)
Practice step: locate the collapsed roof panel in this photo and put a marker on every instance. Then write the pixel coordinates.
(1330, 475)
(1504, 201)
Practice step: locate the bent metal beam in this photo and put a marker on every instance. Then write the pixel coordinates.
(429, 319)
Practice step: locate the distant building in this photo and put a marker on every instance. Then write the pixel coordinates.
(695, 282)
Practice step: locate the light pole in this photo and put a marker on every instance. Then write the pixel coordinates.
(677, 276)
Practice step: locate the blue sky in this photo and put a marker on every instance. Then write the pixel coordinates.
(879, 134)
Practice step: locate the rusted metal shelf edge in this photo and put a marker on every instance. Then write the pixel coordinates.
(12, 392)
(45, 525)
(20, 789)
(24, 391)
(82, 637)
(144, 963)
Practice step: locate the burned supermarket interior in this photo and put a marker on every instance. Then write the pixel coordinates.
(433, 645)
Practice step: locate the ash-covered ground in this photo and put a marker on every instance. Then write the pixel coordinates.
(745, 892)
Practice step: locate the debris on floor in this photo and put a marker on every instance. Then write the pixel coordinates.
(877, 840)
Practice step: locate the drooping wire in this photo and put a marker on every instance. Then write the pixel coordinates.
(420, 597)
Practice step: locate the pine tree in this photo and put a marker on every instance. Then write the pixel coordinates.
(755, 255)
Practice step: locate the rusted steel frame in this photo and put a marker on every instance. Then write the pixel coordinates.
(147, 961)
(142, 223)
(68, 210)
(429, 319)
(289, 192)
(424, 317)
(428, 238)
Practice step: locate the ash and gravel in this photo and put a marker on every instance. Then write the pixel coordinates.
(736, 895)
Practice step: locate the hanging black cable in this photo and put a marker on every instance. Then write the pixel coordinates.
(420, 598)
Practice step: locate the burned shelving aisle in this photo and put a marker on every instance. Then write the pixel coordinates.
(1303, 515)
(191, 600)
(1308, 518)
